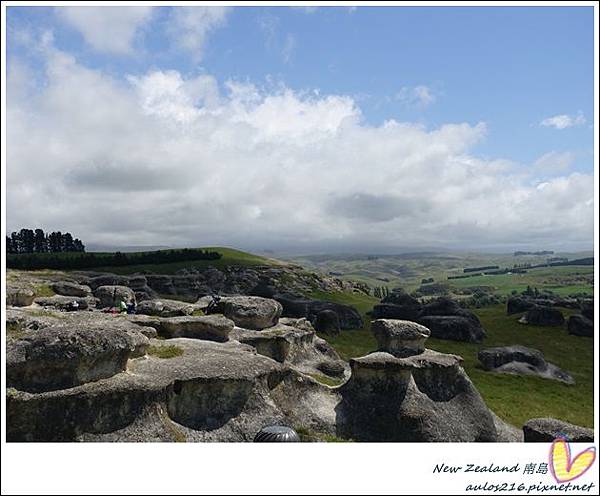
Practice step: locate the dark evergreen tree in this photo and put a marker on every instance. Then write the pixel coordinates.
(40, 242)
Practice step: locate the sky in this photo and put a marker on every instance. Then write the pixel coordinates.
(303, 129)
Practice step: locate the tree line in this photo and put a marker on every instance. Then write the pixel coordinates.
(28, 261)
(37, 241)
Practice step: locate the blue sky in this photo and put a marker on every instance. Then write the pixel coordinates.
(524, 75)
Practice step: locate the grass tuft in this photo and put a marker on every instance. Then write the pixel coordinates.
(168, 351)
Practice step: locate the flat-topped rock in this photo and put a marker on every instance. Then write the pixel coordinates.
(19, 297)
(401, 338)
(65, 356)
(63, 303)
(206, 327)
(544, 316)
(110, 296)
(250, 312)
(520, 360)
(67, 288)
(546, 430)
(165, 308)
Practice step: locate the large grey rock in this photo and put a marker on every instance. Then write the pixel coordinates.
(327, 322)
(400, 338)
(578, 325)
(250, 312)
(66, 356)
(520, 360)
(454, 328)
(207, 327)
(546, 430)
(19, 297)
(544, 316)
(107, 280)
(165, 308)
(109, 296)
(67, 288)
(63, 303)
(518, 304)
(587, 309)
(301, 307)
(422, 398)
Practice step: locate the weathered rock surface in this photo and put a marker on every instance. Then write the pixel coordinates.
(546, 430)
(578, 325)
(587, 309)
(63, 303)
(302, 307)
(518, 304)
(111, 295)
(521, 360)
(543, 316)
(249, 312)
(62, 357)
(327, 322)
(443, 316)
(165, 308)
(19, 297)
(67, 288)
(208, 327)
(453, 327)
(422, 398)
(400, 338)
(295, 343)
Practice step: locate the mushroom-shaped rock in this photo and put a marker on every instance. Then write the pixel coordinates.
(19, 297)
(578, 325)
(327, 322)
(425, 397)
(65, 356)
(67, 288)
(110, 296)
(521, 360)
(207, 327)
(249, 312)
(400, 338)
(546, 430)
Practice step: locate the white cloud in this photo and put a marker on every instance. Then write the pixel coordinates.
(417, 96)
(190, 26)
(564, 121)
(177, 160)
(107, 29)
(555, 162)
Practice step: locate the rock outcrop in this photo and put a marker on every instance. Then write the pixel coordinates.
(165, 308)
(111, 295)
(302, 307)
(546, 430)
(400, 338)
(578, 325)
(249, 312)
(67, 288)
(207, 327)
(19, 297)
(520, 360)
(518, 304)
(63, 303)
(543, 316)
(327, 322)
(443, 316)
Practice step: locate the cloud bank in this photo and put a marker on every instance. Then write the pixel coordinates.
(162, 158)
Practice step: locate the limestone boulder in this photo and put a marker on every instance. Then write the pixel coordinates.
(19, 297)
(401, 338)
(67, 288)
(544, 316)
(520, 360)
(249, 312)
(111, 295)
(63, 303)
(164, 308)
(578, 325)
(546, 430)
(327, 322)
(453, 328)
(206, 327)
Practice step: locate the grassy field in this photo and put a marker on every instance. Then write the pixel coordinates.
(514, 398)
(229, 257)
(560, 280)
